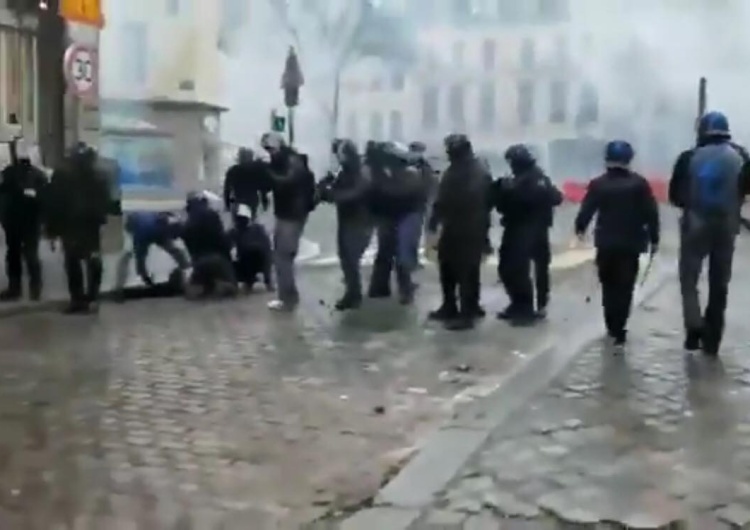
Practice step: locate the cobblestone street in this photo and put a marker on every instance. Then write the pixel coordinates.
(166, 412)
(656, 439)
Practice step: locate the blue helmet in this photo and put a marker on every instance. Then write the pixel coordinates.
(519, 156)
(713, 124)
(618, 153)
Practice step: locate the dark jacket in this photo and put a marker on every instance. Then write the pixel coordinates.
(527, 199)
(293, 186)
(22, 194)
(203, 234)
(78, 199)
(249, 239)
(349, 191)
(627, 213)
(397, 189)
(462, 208)
(247, 183)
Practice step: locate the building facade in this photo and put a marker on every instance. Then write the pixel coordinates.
(161, 72)
(19, 84)
(502, 72)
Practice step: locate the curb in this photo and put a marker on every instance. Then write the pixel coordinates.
(399, 504)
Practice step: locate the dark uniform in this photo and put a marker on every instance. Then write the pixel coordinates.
(709, 183)
(349, 190)
(461, 215)
(627, 224)
(210, 250)
(22, 189)
(246, 182)
(526, 202)
(78, 204)
(396, 198)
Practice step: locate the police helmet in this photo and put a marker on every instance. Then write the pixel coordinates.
(195, 199)
(518, 155)
(618, 153)
(398, 151)
(713, 124)
(346, 149)
(245, 154)
(272, 141)
(456, 143)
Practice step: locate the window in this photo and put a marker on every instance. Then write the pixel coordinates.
(562, 50)
(553, 10)
(134, 64)
(29, 79)
(173, 7)
(510, 10)
(458, 53)
(558, 102)
(588, 110)
(430, 107)
(398, 81)
(456, 108)
(488, 54)
(525, 102)
(376, 126)
(396, 126)
(487, 107)
(528, 54)
(11, 77)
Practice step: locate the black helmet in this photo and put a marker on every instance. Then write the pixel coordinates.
(519, 155)
(345, 149)
(456, 144)
(245, 154)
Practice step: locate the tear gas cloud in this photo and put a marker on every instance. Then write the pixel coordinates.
(645, 59)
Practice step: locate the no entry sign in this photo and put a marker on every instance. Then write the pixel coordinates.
(81, 70)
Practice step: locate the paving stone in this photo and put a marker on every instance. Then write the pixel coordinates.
(444, 520)
(483, 522)
(509, 505)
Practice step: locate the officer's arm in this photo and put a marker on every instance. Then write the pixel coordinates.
(436, 215)
(650, 213)
(678, 184)
(745, 172)
(355, 193)
(589, 207)
(228, 187)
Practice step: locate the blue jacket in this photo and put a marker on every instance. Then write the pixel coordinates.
(149, 228)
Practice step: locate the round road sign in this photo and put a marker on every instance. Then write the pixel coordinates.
(81, 69)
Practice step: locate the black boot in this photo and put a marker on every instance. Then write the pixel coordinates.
(444, 313)
(463, 322)
(11, 294)
(76, 307)
(348, 302)
(507, 313)
(693, 339)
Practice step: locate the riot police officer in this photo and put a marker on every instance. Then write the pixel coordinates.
(627, 223)
(78, 204)
(348, 190)
(461, 221)
(22, 188)
(525, 202)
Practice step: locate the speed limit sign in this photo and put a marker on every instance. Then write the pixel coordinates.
(81, 70)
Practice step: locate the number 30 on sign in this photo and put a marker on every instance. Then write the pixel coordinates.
(88, 12)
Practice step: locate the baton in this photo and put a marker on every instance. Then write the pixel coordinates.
(647, 270)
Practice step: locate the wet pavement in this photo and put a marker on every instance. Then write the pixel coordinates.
(170, 414)
(655, 439)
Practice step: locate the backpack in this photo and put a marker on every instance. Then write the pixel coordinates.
(714, 174)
